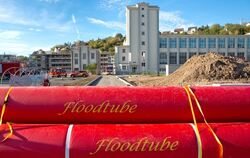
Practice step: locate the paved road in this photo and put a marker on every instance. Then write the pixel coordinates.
(110, 81)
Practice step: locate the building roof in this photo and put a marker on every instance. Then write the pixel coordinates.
(178, 29)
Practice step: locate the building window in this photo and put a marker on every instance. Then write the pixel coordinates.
(124, 50)
(76, 55)
(124, 67)
(192, 42)
(162, 69)
(84, 66)
(142, 8)
(143, 64)
(248, 42)
(163, 43)
(173, 58)
(172, 43)
(142, 15)
(211, 43)
(241, 42)
(241, 55)
(183, 57)
(143, 54)
(201, 53)
(92, 55)
(143, 43)
(142, 23)
(222, 53)
(123, 58)
(84, 56)
(183, 43)
(231, 42)
(202, 42)
(76, 61)
(163, 58)
(221, 43)
(232, 54)
(142, 33)
(191, 54)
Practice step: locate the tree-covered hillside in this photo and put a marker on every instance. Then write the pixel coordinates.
(227, 29)
(107, 44)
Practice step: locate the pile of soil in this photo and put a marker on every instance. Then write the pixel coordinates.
(205, 69)
(211, 67)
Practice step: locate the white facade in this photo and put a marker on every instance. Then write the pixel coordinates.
(83, 56)
(146, 51)
(142, 25)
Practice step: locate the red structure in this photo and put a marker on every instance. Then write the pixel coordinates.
(202, 122)
(123, 141)
(10, 67)
(124, 104)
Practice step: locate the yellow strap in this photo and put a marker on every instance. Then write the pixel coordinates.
(189, 90)
(2, 114)
(196, 130)
(204, 118)
(9, 134)
(4, 104)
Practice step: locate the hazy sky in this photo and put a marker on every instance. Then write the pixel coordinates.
(28, 25)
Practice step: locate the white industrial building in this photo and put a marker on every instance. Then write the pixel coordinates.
(145, 50)
(139, 53)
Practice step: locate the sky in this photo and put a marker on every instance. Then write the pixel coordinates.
(29, 25)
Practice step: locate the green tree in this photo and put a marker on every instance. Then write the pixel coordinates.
(22, 58)
(215, 29)
(92, 68)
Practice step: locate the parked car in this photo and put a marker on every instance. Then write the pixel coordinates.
(78, 74)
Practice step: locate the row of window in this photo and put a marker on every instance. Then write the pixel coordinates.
(60, 60)
(202, 42)
(58, 65)
(183, 56)
(84, 56)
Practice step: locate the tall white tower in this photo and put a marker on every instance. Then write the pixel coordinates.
(142, 37)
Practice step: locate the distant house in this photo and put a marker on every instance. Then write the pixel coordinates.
(179, 30)
(192, 30)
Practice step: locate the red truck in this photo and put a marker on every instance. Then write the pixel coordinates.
(9, 68)
(58, 72)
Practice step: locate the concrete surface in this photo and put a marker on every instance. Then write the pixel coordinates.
(110, 80)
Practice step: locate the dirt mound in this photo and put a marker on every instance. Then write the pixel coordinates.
(204, 69)
(210, 67)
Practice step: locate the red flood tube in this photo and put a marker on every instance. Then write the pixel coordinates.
(124, 104)
(125, 140)
(29, 141)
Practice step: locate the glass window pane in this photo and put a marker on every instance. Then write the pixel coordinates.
(231, 42)
(241, 42)
(211, 42)
(172, 43)
(192, 43)
(183, 57)
(202, 42)
(222, 43)
(182, 42)
(173, 57)
(163, 43)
